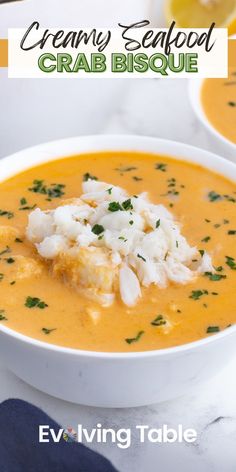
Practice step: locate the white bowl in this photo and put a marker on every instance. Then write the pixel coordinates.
(115, 379)
(195, 88)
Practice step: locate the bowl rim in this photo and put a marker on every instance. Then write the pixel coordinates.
(46, 152)
(194, 92)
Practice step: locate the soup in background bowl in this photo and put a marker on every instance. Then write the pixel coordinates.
(219, 104)
(214, 101)
(117, 268)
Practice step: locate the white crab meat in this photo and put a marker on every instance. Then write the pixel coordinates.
(107, 244)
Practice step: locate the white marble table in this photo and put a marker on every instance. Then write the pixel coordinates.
(148, 107)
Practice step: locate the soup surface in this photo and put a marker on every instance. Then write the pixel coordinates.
(219, 104)
(39, 305)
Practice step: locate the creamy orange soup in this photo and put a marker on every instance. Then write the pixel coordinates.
(219, 104)
(202, 201)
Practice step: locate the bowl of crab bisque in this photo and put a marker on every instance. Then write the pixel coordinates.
(117, 268)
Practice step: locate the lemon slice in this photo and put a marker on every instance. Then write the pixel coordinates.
(201, 13)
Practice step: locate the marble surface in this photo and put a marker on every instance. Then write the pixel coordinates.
(146, 107)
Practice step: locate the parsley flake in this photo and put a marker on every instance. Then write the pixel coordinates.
(230, 261)
(159, 321)
(98, 229)
(141, 257)
(214, 277)
(48, 331)
(34, 302)
(114, 206)
(135, 339)
(213, 329)
(50, 191)
(8, 214)
(197, 294)
(160, 166)
(87, 176)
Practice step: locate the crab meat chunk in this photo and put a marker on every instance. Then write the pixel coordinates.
(25, 268)
(89, 269)
(8, 234)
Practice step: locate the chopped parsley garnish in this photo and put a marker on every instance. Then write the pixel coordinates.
(109, 190)
(197, 294)
(160, 166)
(51, 191)
(201, 252)
(97, 229)
(32, 207)
(1, 276)
(87, 176)
(158, 223)
(10, 260)
(141, 257)
(173, 189)
(131, 222)
(172, 185)
(213, 329)
(232, 232)
(159, 321)
(229, 198)
(25, 206)
(8, 214)
(137, 179)
(232, 104)
(18, 240)
(2, 315)
(114, 206)
(214, 196)
(171, 182)
(230, 261)
(127, 205)
(134, 340)
(218, 225)
(206, 239)
(214, 277)
(126, 168)
(34, 302)
(48, 331)
(5, 251)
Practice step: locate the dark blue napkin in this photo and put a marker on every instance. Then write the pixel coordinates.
(20, 450)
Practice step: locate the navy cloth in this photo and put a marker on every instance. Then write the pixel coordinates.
(21, 451)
